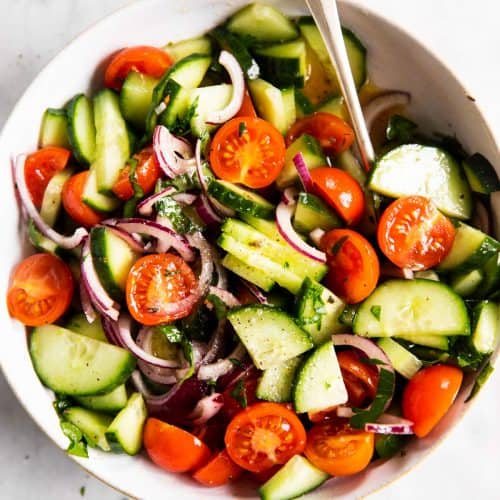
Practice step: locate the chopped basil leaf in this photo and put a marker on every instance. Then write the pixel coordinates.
(138, 191)
(338, 245)
(171, 332)
(61, 403)
(236, 362)
(182, 125)
(376, 310)
(400, 129)
(239, 394)
(77, 445)
(220, 307)
(242, 128)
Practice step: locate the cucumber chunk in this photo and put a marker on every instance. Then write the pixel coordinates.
(276, 382)
(491, 282)
(481, 174)
(72, 364)
(335, 106)
(266, 227)
(403, 361)
(249, 273)
(270, 336)
(78, 324)
(96, 200)
(54, 129)
(297, 477)
(125, 432)
(52, 197)
(92, 424)
(319, 383)
(312, 212)
(42, 243)
(427, 275)
(486, 327)
(412, 307)
(465, 284)
(81, 129)
(109, 403)
(433, 341)
(135, 98)
(413, 169)
(184, 48)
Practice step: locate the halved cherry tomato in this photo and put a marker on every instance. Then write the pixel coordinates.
(173, 448)
(154, 284)
(40, 167)
(338, 449)
(239, 395)
(334, 134)
(414, 234)
(73, 204)
(144, 59)
(361, 379)
(263, 435)
(428, 396)
(220, 470)
(249, 151)
(341, 191)
(353, 263)
(265, 475)
(146, 174)
(41, 290)
(247, 108)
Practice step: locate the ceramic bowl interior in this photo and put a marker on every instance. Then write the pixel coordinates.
(396, 60)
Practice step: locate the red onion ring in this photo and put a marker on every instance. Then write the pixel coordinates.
(383, 103)
(216, 344)
(184, 198)
(88, 309)
(164, 376)
(215, 370)
(145, 207)
(140, 386)
(110, 328)
(390, 424)
(174, 155)
(206, 408)
(227, 297)
(255, 291)
(206, 212)
(303, 171)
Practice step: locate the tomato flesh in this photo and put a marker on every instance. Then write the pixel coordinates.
(220, 470)
(413, 234)
(247, 108)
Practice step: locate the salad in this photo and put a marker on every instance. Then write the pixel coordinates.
(219, 282)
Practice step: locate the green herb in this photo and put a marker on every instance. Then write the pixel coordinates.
(129, 208)
(465, 354)
(388, 445)
(82, 491)
(303, 102)
(236, 362)
(212, 383)
(187, 348)
(239, 394)
(372, 361)
(132, 176)
(171, 332)
(376, 310)
(182, 125)
(61, 403)
(242, 129)
(348, 314)
(77, 445)
(197, 325)
(481, 379)
(169, 208)
(314, 307)
(400, 129)
(220, 307)
(338, 245)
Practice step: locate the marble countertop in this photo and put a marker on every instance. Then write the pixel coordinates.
(464, 33)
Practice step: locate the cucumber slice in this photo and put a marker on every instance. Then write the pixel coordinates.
(297, 477)
(318, 311)
(471, 249)
(125, 432)
(266, 227)
(270, 335)
(112, 258)
(412, 307)
(92, 424)
(486, 327)
(319, 383)
(313, 156)
(54, 129)
(251, 274)
(302, 103)
(413, 169)
(356, 53)
(283, 65)
(184, 48)
(491, 282)
(276, 382)
(312, 212)
(78, 324)
(135, 98)
(72, 364)
(465, 284)
(178, 99)
(262, 23)
(52, 197)
(288, 96)
(241, 200)
(433, 341)
(96, 200)
(81, 129)
(481, 174)
(109, 403)
(427, 275)
(41, 242)
(335, 106)
(403, 361)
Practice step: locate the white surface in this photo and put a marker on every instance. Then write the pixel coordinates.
(463, 32)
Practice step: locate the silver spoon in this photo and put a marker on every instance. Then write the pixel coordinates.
(327, 19)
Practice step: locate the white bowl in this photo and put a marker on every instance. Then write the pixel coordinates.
(396, 60)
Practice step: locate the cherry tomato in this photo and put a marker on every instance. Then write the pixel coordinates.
(263, 435)
(146, 174)
(144, 59)
(248, 151)
(265, 475)
(73, 204)
(40, 167)
(338, 449)
(154, 283)
(413, 234)
(173, 448)
(361, 379)
(220, 470)
(41, 290)
(353, 265)
(334, 134)
(239, 395)
(247, 108)
(428, 396)
(341, 191)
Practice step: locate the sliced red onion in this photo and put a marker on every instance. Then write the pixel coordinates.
(221, 273)
(164, 376)
(206, 212)
(67, 242)
(289, 196)
(184, 198)
(206, 408)
(110, 328)
(383, 103)
(229, 62)
(221, 367)
(389, 270)
(87, 307)
(316, 234)
(135, 244)
(227, 297)
(145, 207)
(303, 171)
(200, 349)
(140, 386)
(174, 155)
(216, 344)
(255, 291)
(481, 218)
(284, 215)
(390, 424)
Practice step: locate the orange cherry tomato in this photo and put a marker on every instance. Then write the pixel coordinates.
(40, 167)
(334, 134)
(414, 234)
(338, 449)
(154, 282)
(173, 448)
(249, 151)
(144, 59)
(41, 290)
(247, 107)
(146, 174)
(73, 204)
(341, 191)
(263, 435)
(220, 470)
(428, 396)
(353, 265)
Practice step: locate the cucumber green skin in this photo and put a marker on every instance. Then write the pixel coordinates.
(54, 129)
(258, 206)
(249, 273)
(433, 341)
(92, 424)
(490, 286)
(276, 383)
(465, 284)
(178, 104)
(312, 212)
(303, 105)
(78, 324)
(42, 243)
(184, 48)
(403, 361)
(481, 175)
(112, 402)
(485, 326)
(82, 140)
(96, 200)
(135, 98)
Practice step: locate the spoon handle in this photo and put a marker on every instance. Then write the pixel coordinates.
(327, 19)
